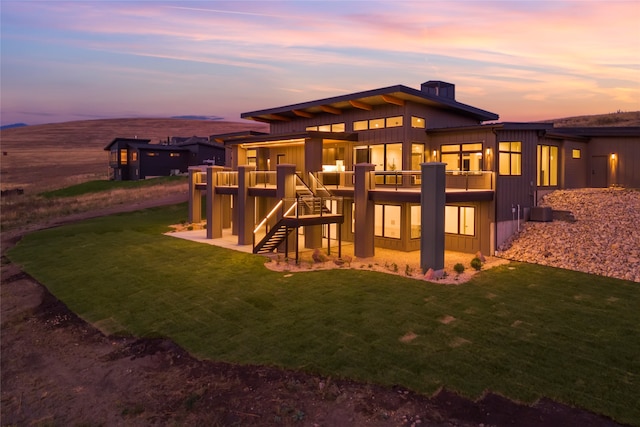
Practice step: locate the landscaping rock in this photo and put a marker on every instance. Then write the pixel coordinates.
(604, 239)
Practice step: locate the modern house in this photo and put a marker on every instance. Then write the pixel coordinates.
(399, 168)
(133, 159)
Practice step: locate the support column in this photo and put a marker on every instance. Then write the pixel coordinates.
(195, 195)
(214, 204)
(245, 207)
(432, 201)
(363, 239)
(286, 189)
(312, 163)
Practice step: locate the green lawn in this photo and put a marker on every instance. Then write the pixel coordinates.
(520, 330)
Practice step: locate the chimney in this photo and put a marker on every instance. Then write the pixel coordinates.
(438, 88)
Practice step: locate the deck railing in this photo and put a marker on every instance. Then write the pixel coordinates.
(227, 179)
(334, 180)
(263, 179)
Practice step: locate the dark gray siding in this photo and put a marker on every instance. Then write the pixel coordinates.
(513, 190)
(623, 170)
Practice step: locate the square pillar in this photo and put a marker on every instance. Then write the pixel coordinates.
(432, 201)
(245, 207)
(363, 239)
(214, 204)
(195, 196)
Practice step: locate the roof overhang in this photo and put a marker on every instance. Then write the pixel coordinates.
(367, 100)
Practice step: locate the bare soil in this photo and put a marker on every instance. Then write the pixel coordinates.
(58, 370)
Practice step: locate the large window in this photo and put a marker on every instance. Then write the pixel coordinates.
(385, 157)
(417, 156)
(459, 220)
(462, 157)
(416, 221)
(510, 158)
(387, 221)
(547, 165)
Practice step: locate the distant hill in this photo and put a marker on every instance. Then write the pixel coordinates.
(13, 125)
(59, 154)
(198, 117)
(618, 119)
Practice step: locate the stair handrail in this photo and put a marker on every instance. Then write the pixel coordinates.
(269, 215)
(319, 184)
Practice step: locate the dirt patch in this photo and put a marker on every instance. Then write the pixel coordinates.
(59, 370)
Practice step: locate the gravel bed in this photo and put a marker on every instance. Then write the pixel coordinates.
(596, 231)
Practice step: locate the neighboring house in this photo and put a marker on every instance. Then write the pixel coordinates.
(133, 159)
(353, 167)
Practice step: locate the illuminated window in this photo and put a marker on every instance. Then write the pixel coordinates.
(324, 128)
(134, 156)
(376, 124)
(123, 156)
(417, 122)
(575, 153)
(174, 154)
(417, 156)
(311, 128)
(462, 157)
(459, 220)
(361, 125)
(252, 156)
(547, 165)
(152, 153)
(387, 221)
(393, 122)
(510, 158)
(416, 221)
(337, 127)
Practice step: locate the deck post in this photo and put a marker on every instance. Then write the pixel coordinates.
(215, 213)
(195, 196)
(363, 240)
(246, 206)
(432, 201)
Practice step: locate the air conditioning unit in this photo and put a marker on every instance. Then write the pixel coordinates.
(541, 214)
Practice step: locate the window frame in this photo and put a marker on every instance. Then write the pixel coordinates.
(513, 155)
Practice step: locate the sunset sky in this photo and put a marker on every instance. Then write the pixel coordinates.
(524, 60)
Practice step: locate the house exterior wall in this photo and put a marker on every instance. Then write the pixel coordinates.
(161, 162)
(622, 170)
(574, 171)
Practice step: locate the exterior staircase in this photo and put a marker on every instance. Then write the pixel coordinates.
(309, 208)
(273, 239)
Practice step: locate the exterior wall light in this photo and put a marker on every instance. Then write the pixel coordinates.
(613, 156)
(435, 155)
(488, 151)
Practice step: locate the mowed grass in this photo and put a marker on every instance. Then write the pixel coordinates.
(520, 330)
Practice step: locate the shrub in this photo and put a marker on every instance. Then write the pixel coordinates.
(476, 264)
(458, 268)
